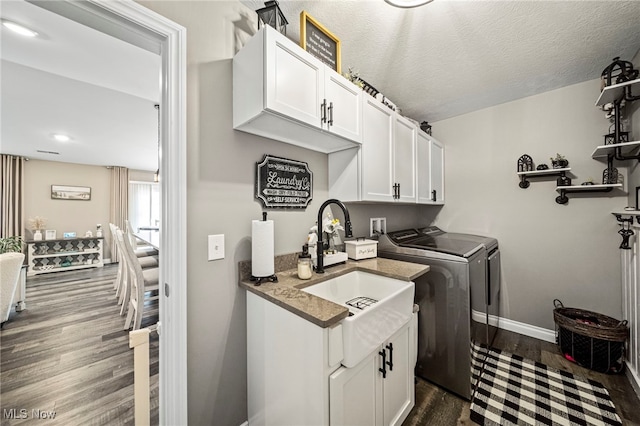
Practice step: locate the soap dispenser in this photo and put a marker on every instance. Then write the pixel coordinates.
(305, 267)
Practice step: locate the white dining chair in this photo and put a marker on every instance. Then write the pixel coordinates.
(122, 277)
(140, 251)
(141, 283)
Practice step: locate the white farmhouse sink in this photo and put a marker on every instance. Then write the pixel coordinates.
(378, 306)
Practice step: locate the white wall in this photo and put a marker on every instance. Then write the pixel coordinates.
(549, 251)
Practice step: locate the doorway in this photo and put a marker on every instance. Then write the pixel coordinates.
(135, 24)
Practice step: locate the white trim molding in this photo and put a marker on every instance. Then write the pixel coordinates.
(138, 25)
(517, 327)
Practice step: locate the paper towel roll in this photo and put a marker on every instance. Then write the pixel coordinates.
(262, 248)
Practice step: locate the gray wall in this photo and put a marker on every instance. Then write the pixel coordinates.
(549, 251)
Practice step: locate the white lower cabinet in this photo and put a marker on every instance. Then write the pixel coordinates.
(378, 391)
(294, 375)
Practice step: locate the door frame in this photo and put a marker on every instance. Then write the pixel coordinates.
(134, 23)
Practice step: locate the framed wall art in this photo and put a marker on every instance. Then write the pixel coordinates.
(64, 192)
(320, 42)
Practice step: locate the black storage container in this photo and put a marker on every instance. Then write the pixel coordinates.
(590, 339)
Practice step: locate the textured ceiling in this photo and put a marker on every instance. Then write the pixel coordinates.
(74, 80)
(451, 57)
(436, 61)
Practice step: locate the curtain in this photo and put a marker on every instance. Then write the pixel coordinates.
(139, 205)
(144, 204)
(119, 204)
(12, 196)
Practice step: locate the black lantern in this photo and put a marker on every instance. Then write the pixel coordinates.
(611, 138)
(271, 14)
(618, 72)
(426, 127)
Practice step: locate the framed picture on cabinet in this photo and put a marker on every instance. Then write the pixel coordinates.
(320, 42)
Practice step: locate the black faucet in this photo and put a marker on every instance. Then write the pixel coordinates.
(347, 230)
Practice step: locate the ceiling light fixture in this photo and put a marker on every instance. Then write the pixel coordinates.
(20, 29)
(60, 137)
(407, 3)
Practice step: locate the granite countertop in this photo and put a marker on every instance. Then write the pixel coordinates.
(324, 313)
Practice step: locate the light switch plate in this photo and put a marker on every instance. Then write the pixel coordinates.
(216, 247)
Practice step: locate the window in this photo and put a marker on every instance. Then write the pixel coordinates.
(144, 205)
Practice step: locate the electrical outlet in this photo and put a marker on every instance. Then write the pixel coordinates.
(216, 247)
(377, 226)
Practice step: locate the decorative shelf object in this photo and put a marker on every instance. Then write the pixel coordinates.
(615, 92)
(524, 183)
(64, 254)
(564, 190)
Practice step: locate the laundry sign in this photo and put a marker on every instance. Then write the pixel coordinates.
(283, 183)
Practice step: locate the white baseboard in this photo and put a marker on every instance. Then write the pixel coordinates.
(106, 261)
(517, 327)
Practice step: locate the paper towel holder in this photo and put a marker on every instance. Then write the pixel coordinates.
(272, 278)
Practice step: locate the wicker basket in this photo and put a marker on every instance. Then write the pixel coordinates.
(592, 340)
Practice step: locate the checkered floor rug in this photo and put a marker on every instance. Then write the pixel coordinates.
(517, 391)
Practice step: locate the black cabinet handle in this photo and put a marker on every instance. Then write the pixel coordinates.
(330, 113)
(390, 362)
(323, 112)
(396, 191)
(383, 369)
(433, 195)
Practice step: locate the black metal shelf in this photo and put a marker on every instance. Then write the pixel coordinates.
(524, 183)
(573, 189)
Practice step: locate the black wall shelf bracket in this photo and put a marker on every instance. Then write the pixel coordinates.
(525, 176)
(563, 199)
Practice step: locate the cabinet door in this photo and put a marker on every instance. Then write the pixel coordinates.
(437, 171)
(355, 394)
(404, 158)
(399, 386)
(423, 161)
(377, 152)
(294, 80)
(344, 116)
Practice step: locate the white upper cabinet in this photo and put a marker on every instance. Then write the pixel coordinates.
(430, 172)
(437, 171)
(282, 92)
(293, 79)
(377, 151)
(397, 162)
(388, 154)
(344, 107)
(404, 159)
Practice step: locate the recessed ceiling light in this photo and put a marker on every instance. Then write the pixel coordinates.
(407, 3)
(20, 29)
(61, 138)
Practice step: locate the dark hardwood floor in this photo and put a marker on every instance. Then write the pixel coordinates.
(68, 354)
(436, 406)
